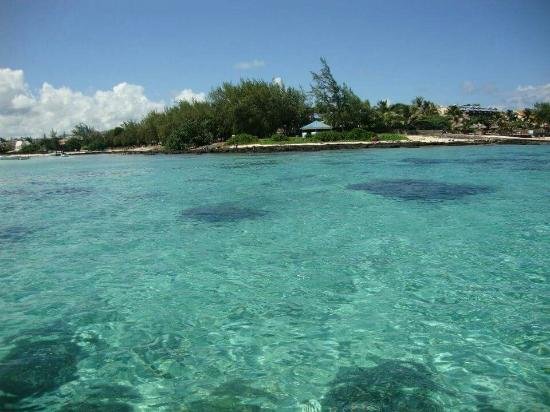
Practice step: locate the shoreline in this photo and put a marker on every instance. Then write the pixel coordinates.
(413, 141)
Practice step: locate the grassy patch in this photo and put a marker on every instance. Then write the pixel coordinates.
(318, 138)
(391, 137)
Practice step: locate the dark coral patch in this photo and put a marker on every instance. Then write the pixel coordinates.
(423, 190)
(67, 190)
(221, 405)
(33, 368)
(517, 162)
(146, 195)
(419, 161)
(235, 395)
(46, 193)
(255, 163)
(16, 233)
(105, 397)
(99, 406)
(390, 386)
(222, 212)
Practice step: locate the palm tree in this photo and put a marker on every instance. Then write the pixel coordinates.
(382, 106)
(455, 115)
(528, 118)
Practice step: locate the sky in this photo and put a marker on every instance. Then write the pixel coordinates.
(103, 61)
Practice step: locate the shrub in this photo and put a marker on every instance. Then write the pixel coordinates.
(432, 122)
(258, 108)
(359, 134)
(190, 134)
(33, 147)
(329, 136)
(72, 144)
(242, 138)
(96, 144)
(4, 146)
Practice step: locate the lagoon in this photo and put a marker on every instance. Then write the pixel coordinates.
(402, 279)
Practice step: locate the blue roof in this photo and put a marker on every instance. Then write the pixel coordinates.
(317, 125)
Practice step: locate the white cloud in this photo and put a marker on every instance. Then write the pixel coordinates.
(526, 96)
(521, 97)
(23, 113)
(278, 81)
(254, 64)
(468, 87)
(190, 96)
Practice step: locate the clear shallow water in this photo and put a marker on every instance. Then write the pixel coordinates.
(398, 279)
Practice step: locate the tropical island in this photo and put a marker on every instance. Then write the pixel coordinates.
(256, 115)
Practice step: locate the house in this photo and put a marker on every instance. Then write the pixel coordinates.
(314, 127)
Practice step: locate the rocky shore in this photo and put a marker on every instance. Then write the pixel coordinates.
(412, 141)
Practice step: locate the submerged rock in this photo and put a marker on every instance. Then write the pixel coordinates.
(67, 190)
(16, 233)
(100, 406)
(390, 386)
(251, 164)
(420, 161)
(222, 212)
(242, 388)
(233, 396)
(32, 368)
(422, 190)
(221, 405)
(105, 397)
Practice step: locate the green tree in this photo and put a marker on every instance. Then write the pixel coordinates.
(194, 125)
(424, 115)
(5, 146)
(528, 118)
(258, 108)
(541, 114)
(72, 144)
(455, 117)
(83, 130)
(336, 102)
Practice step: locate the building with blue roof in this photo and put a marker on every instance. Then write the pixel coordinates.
(315, 127)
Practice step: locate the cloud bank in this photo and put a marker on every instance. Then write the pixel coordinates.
(253, 64)
(24, 113)
(525, 96)
(521, 97)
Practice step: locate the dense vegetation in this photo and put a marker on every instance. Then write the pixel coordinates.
(255, 109)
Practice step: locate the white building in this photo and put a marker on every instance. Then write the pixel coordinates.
(19, 144)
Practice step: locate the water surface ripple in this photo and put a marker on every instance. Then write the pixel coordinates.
(402, 279)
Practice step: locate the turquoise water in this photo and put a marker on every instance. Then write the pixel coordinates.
(400, 279)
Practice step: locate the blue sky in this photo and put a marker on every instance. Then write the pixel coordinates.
(448, 51)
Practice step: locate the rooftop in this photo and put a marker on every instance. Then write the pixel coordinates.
(317, 125)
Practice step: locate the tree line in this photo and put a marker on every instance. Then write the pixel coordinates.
(265, 109)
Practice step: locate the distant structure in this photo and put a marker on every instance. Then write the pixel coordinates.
(19, 144)
(476, 109)
(314, 127)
